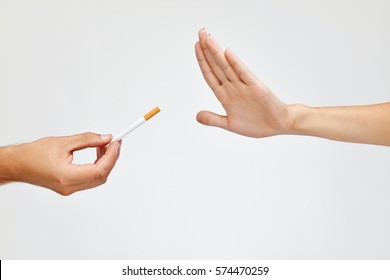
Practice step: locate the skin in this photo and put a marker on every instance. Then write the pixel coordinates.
(253, 110)
(48, 162)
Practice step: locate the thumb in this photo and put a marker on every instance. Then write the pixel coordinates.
(87, 140)
(212, 119)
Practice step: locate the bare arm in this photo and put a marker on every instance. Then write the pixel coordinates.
(369, 124)
(253, 110)
(48, 162)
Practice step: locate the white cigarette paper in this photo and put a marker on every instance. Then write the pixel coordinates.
(130, 128)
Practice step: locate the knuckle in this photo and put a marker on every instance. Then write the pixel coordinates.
(88, 135)
(197, 48)
(213, 51)
(227, 67)
(45, 141)
(213, 64)
(65, 191)
(102, 176)
(60, 181)
(63, 185)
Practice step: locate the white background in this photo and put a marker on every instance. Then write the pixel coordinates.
(181, 190)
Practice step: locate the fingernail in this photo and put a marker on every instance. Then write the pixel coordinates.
(105, 137)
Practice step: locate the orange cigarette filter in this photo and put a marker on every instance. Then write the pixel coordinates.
(151, 113)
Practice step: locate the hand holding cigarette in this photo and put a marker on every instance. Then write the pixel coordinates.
(48, 162)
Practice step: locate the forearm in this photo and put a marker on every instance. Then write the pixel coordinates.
(368, 124)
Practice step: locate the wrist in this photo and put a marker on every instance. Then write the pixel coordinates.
(5, 165)
(9, 164)
(301, 118)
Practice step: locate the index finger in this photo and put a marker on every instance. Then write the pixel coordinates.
(208, 74)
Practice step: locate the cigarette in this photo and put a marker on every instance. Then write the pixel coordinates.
(129, 129)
